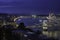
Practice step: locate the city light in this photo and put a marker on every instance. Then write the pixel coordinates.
(45, 24)
(34, 16)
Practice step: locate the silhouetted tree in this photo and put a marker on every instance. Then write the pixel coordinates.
(23, 27)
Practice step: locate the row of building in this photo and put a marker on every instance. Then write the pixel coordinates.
(50, 24)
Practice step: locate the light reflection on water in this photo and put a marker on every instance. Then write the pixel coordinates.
(29, 21)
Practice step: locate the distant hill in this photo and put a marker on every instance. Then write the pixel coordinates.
(24, 14)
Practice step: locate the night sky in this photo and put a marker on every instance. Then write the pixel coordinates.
(29, 6)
